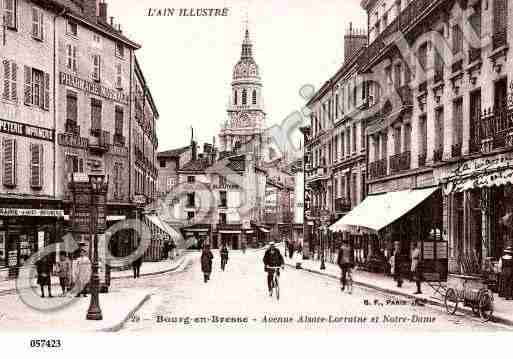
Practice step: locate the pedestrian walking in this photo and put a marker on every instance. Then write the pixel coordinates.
(64, 273)
(345, 262)
(172, 247)
(506, 269)
(206, 262)
(416, 267)
(395, 264)
(224, 256)
(44, 278)
(291, 249)
(82, 273)
(136, 266)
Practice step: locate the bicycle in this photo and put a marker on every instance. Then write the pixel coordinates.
(275, 283)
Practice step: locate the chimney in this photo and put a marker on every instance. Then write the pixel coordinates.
(354, 40)
(102, 12)
(91, 9)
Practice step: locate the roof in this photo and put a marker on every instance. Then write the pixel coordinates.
(174, 153)
(237, 164)
(199, 165)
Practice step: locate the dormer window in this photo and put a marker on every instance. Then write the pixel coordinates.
(72, 28)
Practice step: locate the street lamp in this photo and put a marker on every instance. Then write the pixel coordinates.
(323, 244)
(98, 190)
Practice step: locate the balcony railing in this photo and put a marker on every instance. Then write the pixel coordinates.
(497, 125)
(438, 154)
(422, 159)
(100, 140)
(400, 162)
(456, 150)
(342, 205)
(378, 169)
(72, 127)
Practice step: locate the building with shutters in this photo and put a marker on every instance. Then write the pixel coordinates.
(66, 108)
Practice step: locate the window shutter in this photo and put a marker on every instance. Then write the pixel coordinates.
(7, 80)
(34, 165)
(75, 67)
(14, 81)
(9, 162)
(46, 99)
(28, 86)
(35, 22)
(10, 13)
(41, 26)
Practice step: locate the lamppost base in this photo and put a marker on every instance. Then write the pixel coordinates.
(94, 313)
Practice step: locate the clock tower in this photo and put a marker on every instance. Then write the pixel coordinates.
(244, 129)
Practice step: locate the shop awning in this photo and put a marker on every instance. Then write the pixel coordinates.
(378, 211)
(164, 227)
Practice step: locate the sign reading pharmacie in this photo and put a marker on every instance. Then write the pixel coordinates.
(21, 129)
(93, 88)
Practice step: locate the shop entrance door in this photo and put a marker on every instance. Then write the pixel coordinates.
(12, 254)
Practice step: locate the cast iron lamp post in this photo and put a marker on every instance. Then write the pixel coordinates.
(323, 245)
(98, 188)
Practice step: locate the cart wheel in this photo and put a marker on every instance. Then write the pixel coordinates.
(485, 303)
(451, 301)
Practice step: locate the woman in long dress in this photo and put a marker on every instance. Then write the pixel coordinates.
(82, 273)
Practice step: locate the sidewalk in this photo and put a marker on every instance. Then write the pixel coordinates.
(147, 268)
(503, 310)
(117, 306)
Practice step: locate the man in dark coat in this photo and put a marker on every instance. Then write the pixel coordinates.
(136, 266)
(272, 258)
(44, 269)
(206, 262)
(224, 256)
(345, 262)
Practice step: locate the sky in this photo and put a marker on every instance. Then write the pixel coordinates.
(188, 61)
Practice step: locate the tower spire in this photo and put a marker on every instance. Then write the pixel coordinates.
(247, 46)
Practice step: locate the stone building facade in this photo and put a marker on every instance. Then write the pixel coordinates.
(66, 108)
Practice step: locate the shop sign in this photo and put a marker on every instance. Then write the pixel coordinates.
(139, 199)
(481, 165)
(13, 259)
(30, 212)
(225, 186)
(69, 140)
(21, 129)
(93, 88)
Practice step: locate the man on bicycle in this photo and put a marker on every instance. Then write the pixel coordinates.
(272, 258)
(345, 262)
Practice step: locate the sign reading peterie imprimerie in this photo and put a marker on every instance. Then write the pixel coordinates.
(21, 129)
(30, 212)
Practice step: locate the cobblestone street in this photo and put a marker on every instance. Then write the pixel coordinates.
(182, 301)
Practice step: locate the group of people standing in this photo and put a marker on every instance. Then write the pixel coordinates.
(72, 274)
